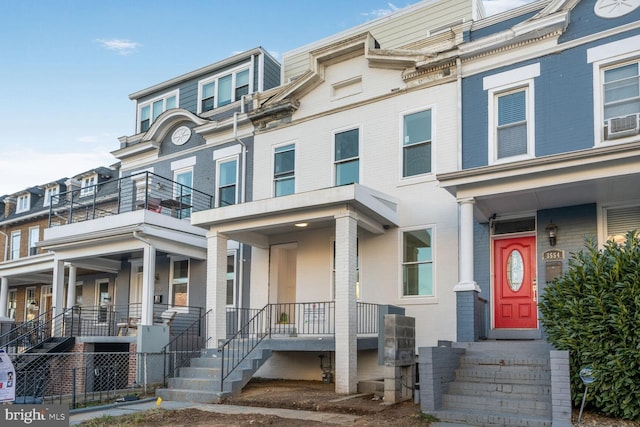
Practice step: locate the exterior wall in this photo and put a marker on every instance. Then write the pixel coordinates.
(306, 365)
(377, 112)
(407, 26)
(563, 91)
(23, 227)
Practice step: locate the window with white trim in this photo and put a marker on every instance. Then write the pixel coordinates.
(34, 237)
(284, 166)
(417, 263)
(226, 184)
(149, 111)
(511, 105)
(223, 89)
(621, 100)
(15, 244)
(180, 282)
(347, 157)
(182, 192)
(12, 303)
(49, 193)
(88, 185)
(416, 143)
(231, 278)
(23, 203)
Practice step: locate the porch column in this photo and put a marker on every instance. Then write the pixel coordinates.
(4, 293)
(57, 299)
(148, 281)
(466, 289)
(216, 287)
(71, 286)
(346, 314)
(466, 282)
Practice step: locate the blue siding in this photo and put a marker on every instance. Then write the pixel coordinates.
(481, 258)
(585, 22)
(563, 99)
(271, 73)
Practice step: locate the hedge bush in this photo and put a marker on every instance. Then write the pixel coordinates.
(593, 310)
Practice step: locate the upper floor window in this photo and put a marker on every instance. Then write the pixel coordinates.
(15, 244)
(180, 282)
(223, 89)
(621, 103)
(416, 143)
(34, 237)
(511, 113)
(49, 193)
(23, 204)
(182, 192)
(88, 185)
(620, 220)
(149, 111)
(417, 263)
(226, 191)
(347, 157)
(284, 170)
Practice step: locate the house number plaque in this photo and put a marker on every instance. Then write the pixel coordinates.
(552, 254)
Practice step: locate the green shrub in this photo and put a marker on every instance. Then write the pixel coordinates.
(593, 310)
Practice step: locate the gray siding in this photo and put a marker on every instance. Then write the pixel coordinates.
(481, 258)
(585, 22)
(168, 148)
(271, 73)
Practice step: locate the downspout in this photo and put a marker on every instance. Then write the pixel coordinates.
(242, 196)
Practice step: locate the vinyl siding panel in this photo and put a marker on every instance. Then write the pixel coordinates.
(271, 76)
(584, 21)
(395, 31)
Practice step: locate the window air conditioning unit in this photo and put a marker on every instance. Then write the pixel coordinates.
(619, 127)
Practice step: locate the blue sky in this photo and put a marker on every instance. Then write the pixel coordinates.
(69, 66)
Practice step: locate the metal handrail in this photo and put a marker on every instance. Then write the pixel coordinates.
(188, 343)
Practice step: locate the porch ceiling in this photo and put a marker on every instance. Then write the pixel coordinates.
(253, 222)
(599, 175)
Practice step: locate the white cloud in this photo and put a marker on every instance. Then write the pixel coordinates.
(492, 7)
(122, 47)
(24, 168)
(377, 13)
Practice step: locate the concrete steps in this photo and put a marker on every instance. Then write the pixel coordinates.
(200, 382)
(500, 383)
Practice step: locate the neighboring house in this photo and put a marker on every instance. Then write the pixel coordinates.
(346, 211)
(550, 151)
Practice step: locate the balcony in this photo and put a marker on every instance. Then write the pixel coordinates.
(141, 191)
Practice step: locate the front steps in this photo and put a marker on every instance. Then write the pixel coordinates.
(200, 382)
(500, 383)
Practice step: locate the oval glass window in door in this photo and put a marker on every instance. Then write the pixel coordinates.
(515, 270)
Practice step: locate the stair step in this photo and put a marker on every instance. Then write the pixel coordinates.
(523, 360)
(194, 384)
(524, 391)
(202, 373)
(505, 375)
(485, 418)
(197, 396)
(515, 406)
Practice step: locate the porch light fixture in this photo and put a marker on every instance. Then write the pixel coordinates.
(552, 229)
(301, 224)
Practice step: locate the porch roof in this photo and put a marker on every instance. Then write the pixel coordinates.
(605, 174)
(253, 222)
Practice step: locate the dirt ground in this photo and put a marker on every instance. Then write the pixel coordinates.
(311, 396)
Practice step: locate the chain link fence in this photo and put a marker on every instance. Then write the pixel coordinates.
(87, 379)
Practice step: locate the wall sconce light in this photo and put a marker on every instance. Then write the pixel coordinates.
(552, 229)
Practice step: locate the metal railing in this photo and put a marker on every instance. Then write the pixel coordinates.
(237, 316)
(236, 349)
(302, 318)
(185, 346)
(33, 332)
(368, 318)
(144, 190)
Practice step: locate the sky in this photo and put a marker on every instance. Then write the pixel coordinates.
(68, 66)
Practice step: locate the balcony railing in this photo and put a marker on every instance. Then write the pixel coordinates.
(144, 190)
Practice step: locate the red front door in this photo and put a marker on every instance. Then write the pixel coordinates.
(515, 292)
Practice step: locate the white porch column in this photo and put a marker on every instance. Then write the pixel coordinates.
(216, 287)
(346, 306)
(71, 286)
(148, 281)
(4, 293)
(466, 282)
(57, 299)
